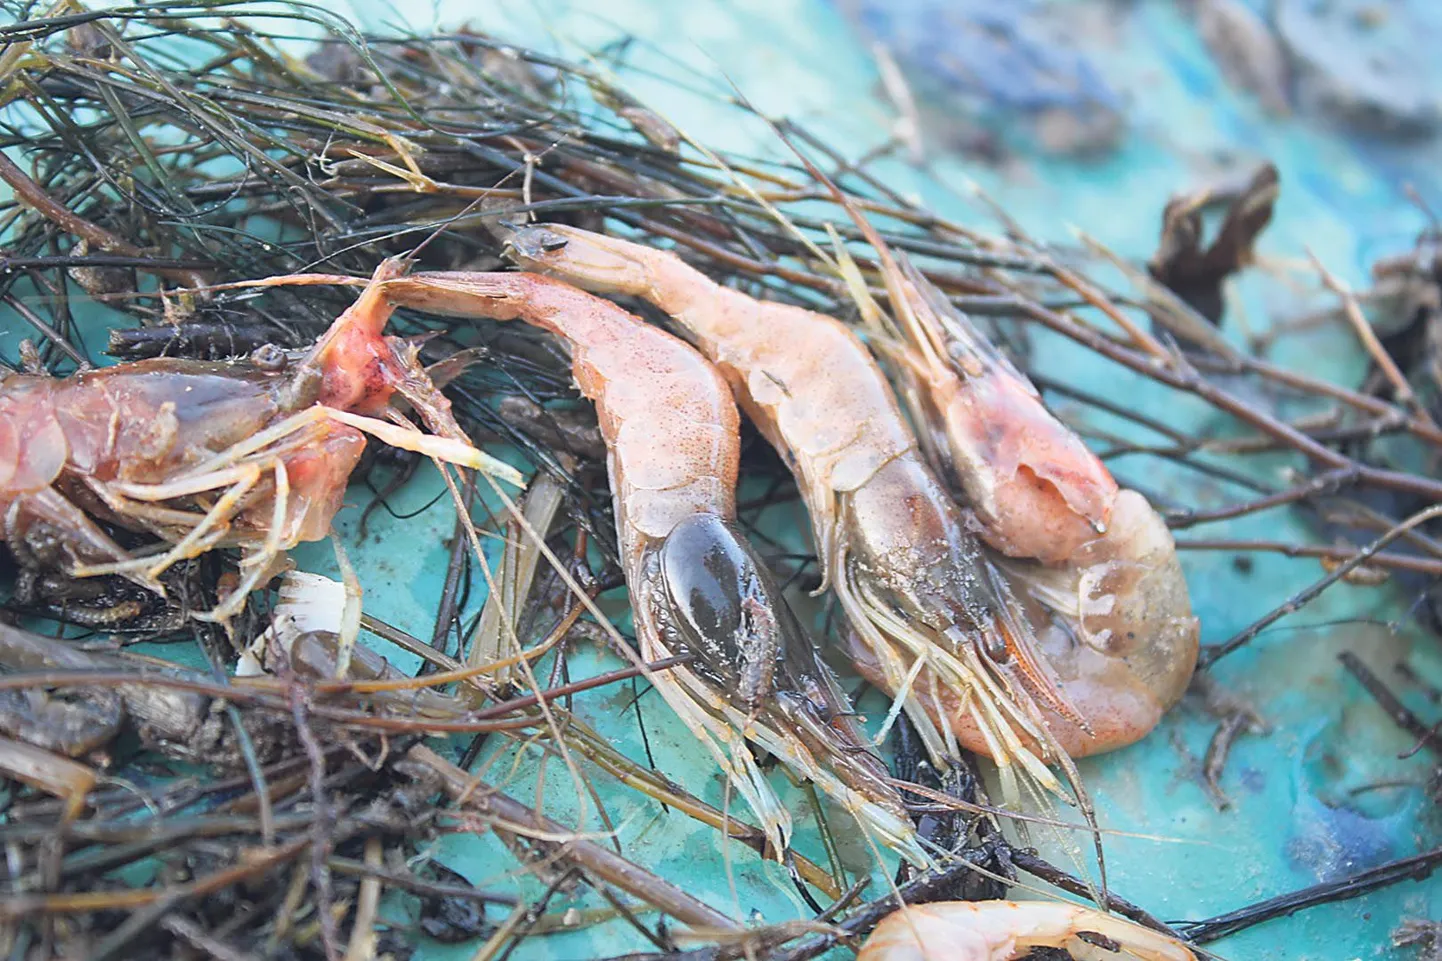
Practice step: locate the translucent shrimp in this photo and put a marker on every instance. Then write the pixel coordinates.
(252, 454)
(696, 585)
(1095, 564)
(911, 577)
(1001, 930)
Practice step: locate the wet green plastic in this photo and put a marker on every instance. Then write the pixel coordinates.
(1319, 797)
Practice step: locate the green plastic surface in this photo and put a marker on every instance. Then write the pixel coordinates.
(1299, 816)
(1295, 819)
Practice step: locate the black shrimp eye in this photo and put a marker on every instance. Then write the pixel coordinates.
(268, 357)
(705, 571)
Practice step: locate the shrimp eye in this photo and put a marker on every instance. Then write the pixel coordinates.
(726, 606)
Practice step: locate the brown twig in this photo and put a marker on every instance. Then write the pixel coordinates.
(1399, 562)
(34, 196)
(1210, 655)
(596, 860)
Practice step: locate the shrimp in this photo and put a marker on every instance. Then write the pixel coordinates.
(252, 454)
(1094, 564)
(911, 577)
(696, 585)
(1000, 930)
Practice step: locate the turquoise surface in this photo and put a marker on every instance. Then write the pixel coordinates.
(1319, 797)
(1298, 815)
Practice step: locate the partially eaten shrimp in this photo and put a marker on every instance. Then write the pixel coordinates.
(1001, 930)
(697, 586)
(910, 575)
(252, 454)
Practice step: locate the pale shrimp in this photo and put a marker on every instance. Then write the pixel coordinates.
(1115, 620)
(696, 585)
(1001, 930)
(911, 577)
(252, 454)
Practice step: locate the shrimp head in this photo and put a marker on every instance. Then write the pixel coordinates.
(1034, 487)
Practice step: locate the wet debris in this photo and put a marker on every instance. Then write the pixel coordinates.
(1195, 269)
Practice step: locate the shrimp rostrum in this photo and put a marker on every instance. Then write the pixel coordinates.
(697, 586)
(253, 454)
(935, 622)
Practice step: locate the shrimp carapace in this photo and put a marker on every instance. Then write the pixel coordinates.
(203, 454)
(910, 575)
(1002, 930)
(697, 587)
(1034, 487)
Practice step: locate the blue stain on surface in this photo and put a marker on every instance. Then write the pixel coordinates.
(1343, 821)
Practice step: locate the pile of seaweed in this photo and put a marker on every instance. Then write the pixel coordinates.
(154, 148)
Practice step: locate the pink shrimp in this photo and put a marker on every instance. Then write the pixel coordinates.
(1001, 930)
(1095, 564)
(696, 585)
(205, 455)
